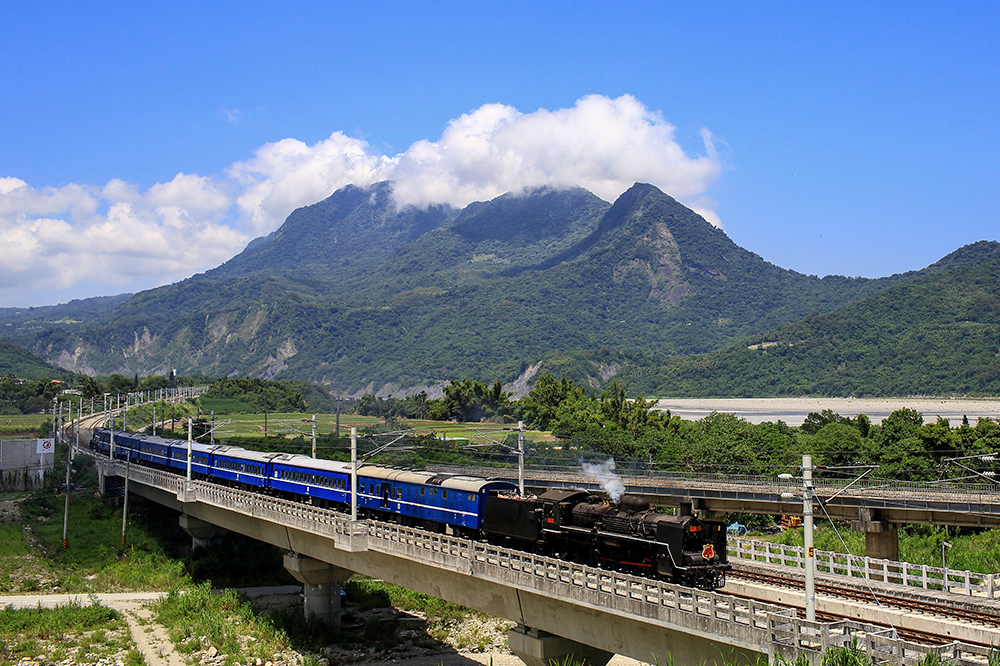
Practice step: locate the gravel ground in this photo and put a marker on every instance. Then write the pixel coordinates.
(794, 410)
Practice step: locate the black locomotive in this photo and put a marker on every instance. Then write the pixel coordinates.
(629, 536)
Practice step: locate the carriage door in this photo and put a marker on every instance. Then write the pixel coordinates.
(386, 494)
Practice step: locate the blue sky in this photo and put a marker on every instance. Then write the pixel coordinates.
(142, 144)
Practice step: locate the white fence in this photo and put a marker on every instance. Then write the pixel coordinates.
(869, 568)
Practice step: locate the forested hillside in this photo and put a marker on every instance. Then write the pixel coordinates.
(353, 293)
(16, 361)
(936, 335)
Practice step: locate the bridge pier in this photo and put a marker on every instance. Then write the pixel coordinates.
(540, 648)
(881, 536)
(201, 533)
(320, 584)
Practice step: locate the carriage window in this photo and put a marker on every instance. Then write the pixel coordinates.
(472, 497)
(399, 493)
(444, 494)
(422, 489)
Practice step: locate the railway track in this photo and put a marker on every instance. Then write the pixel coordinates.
(884, 598)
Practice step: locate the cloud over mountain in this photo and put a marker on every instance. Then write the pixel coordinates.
(82, 240)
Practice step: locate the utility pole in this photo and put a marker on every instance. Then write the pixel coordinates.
(211, 432)
(314, 435)
(69, 465)
(125, 504)
(807, 528)
(807, 531)
(520, 457)
(190, 446)
(354, 474)
(337, 430)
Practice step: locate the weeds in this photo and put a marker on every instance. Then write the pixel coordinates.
(200, 620)
(70, 632)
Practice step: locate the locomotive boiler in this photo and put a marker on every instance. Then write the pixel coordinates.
(628, 536)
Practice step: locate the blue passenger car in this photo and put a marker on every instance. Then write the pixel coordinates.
(200, 457)
(329, 480)
(236, 464)
(154, 451)
(426, 497)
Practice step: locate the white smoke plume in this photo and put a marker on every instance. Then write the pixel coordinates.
(604, 474)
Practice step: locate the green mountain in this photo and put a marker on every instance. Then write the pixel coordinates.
(938, 334)
(16, 361)
(320, 244)
(363, 296)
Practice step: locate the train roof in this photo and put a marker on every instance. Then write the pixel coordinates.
(298, 460)
(473, 484)
(240, 453)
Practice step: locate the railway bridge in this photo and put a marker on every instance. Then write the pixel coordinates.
(559, 608)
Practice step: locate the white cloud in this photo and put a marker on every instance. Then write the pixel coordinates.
(117, 237)
(113, 238)
(285, 175)
(604, 145)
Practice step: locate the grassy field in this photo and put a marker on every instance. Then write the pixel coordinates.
(298, 424)
(13, 426)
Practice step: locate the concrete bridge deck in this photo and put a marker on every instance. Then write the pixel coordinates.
(609, 611)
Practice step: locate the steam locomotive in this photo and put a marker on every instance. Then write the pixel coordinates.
(573, 525)
(629, 536)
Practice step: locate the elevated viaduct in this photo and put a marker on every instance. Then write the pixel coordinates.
(560, 608)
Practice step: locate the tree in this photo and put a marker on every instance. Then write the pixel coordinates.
(472, 401)
(119, 384)
(541, 407)
(90, 387)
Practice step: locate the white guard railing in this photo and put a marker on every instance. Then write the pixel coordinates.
(856, 566)
(742, 620)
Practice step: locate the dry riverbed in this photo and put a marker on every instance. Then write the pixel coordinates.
(793, 411)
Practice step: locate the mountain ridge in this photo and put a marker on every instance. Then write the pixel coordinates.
(555, 280)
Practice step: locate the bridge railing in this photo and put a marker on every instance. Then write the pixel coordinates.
(743, 621)
(437, 549)
(347, 535)
(903, 573)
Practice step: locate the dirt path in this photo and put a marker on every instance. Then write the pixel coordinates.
(150, 637)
